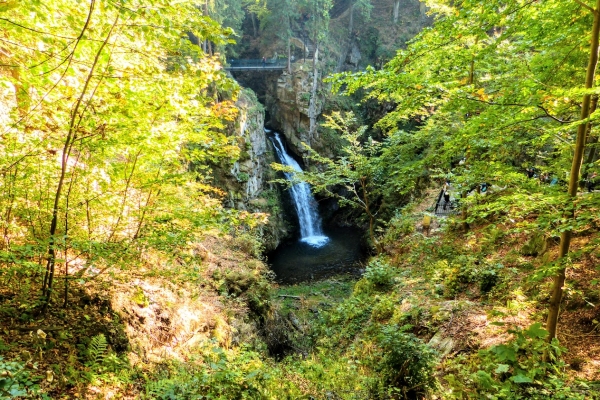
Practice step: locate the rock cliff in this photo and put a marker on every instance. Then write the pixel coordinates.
(289, 107)
(247, 182)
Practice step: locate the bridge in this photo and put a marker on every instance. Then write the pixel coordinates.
(441, 208)
(269, 64)
(301, 40)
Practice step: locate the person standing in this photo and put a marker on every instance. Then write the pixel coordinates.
(446, 194)
(426, 224)
(591, 183)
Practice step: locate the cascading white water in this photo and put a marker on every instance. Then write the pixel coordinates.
(304, 202)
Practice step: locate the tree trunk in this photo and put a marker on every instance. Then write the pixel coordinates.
(591, 140)
(253, 19)
(289, 60)
(74, 122)
(565, 238)
(396, 11)
(312, 107)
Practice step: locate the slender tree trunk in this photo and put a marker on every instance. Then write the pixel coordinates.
(312, 106)
(68, 146)
(10, 180)
(66, 233)
(463, 213)
(472, 67)
(396, 10)
(591, 141)
(253, 19)
(565, 238)
(367, 205)
(289, 56)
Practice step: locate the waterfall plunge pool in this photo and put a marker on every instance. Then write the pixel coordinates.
(296, 261)
(318, 253)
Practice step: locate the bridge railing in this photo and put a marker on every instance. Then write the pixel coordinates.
(257, 63)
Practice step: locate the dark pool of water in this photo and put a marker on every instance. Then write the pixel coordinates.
(296, 261)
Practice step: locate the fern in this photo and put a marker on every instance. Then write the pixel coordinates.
(162, 389)
(96, 350)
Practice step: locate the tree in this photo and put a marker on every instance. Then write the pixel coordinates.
(491, 84)
(565, 237)
(280, 22)
(107, 103)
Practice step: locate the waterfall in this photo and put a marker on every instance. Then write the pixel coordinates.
(304, 202)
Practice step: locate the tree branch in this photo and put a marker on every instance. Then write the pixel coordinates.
(585, 5)
(490, 103)
(35, 30)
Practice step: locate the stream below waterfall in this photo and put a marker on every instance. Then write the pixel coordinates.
(318, 253)
(296, 261)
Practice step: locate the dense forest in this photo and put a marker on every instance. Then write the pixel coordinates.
(141, 199)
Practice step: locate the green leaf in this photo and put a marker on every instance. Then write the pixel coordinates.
(520, 378)
(505, 353)
(536, 331)
(502, 368)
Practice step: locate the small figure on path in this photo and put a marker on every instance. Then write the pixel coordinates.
(591, 183)
(530, 172)
(426, 224)
(446, 194)
(264, 62)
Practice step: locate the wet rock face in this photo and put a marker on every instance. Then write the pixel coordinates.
(354, 56)
(288, 106)
(248, 181)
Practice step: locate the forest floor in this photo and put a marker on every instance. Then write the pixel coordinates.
(118, 328)
(122, 331)
(450, 308)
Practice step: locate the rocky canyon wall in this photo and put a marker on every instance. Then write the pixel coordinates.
(247, 182)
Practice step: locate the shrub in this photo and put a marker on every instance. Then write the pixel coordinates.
(16, 380)
(242, 177)
(466, 271)
(406, 366)
(515, 370)
(384, 309)
(379, 273)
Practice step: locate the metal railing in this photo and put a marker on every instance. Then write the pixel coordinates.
(256, 64)
(443, 208)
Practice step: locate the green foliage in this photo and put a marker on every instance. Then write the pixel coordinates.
(465, 271)
(96, 350)
(253, 285)
(405, 363)
(535, 245)
(217, 375)
(140, 298)
(242, 177)
(515, 370)
(384, 308)
(379, 273)
(492, 85)
(119, 163)
(16, 380)
(398, 227)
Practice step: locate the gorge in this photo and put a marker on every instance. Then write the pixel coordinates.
(153, 248)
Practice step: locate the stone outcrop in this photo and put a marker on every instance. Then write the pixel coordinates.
(289, 106)
(248, 181)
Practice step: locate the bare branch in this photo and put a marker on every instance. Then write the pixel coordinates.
(585, 6)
